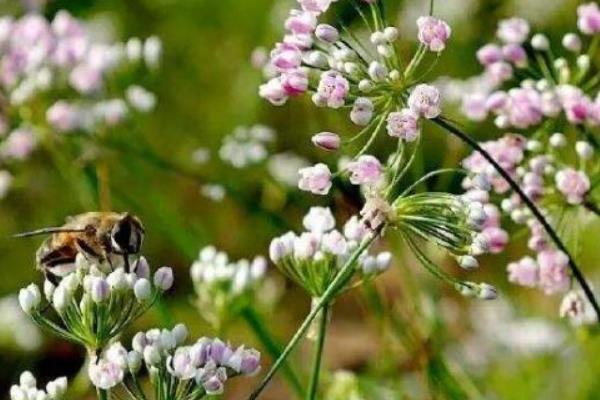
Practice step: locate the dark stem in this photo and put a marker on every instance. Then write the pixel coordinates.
(592, 207)
(577, 274)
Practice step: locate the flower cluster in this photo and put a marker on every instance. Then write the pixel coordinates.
(246, 146)
(543, 171)
(525, 84)
(67, 73)
(93, 305)
(27, 389)
(341, 72)
(225, 288)
(177, 371)
(314, 258)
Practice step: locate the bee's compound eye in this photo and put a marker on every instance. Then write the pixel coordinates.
(125, 237)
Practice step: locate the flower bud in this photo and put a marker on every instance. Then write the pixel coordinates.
(377, 38)
(57, 388)
(142, 268)
(571, 42)
(163, 278)
(377, 71)
(327, 33)
(71, 282)
(487, 292)
(468, 262)
(61, 298)
(180, 333)
(250, 362)
(142, 290)
(558, 140)
(540, 42)
(327, 141)
(139, 342)
(30, 298)
(117, 279)
(151, 355)
(584, 150)
(362, 111)
(390, 34)
(365, 86)
(100, 291)
(134, 361)
(27, 380)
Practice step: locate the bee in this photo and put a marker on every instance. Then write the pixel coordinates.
(102, 237)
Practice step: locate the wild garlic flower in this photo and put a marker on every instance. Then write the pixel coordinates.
(313, 258)
(27, 389)
(177, 371)
(225, 288)
(545, 172)
(57, 77)
(91, 306)
(530, 81)
(369, 79)
(246, 146)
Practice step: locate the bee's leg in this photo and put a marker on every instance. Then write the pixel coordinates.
(126, 262)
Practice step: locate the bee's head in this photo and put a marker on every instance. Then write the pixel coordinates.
(127, 235)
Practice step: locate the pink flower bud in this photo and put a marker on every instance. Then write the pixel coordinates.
(163, 278)
(513, 30)
(573, 184)
(366, 170)
(327, 141)
(327, 33)
(489, 54)
(588, 18)
(433, 33)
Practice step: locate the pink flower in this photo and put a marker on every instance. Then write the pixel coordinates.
(515, 54)
(425, 101)
(573, 184)
(294, 82)
(19, 144)
(524, 272)
(317, 6)
(489, 54)
(301, 22)
(498, 72)
(433, 33)
(366, 170)
(362, 111)
(403, 124)
(513, 30)
(286, 56)
(474, 106)
(554, 275)
(588, 18)
(85, 79)
(315, 179)
(105, 374)
(273, 91)
(332, 91)
(524, 108)
(496, 238)
(62, 116)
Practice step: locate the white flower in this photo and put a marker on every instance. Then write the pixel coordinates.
(105, 374)
(319, 220)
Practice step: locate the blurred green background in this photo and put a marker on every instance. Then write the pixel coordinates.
(206, 87)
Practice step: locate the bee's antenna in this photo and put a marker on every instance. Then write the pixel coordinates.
(46, 231)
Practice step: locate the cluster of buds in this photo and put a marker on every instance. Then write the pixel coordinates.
(225, 288)
(525, 84)
(93, 305)
(177, 371)
(246, 146)
(314, 258)
(61, 67)
(27, 389)
(454, 223)
(543, 171)
(341, 72)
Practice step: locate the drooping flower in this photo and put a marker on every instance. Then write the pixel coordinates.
(315, 179)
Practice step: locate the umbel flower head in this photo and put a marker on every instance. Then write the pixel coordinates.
(27, 389)
(313, 258)
(58, 77)
(379, 89)
(92, 305)
(225, 288)
(177, 371)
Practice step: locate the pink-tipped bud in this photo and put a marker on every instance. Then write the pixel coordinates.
(327, 141)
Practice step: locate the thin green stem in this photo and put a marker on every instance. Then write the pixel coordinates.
(319, 345)
(342, 277)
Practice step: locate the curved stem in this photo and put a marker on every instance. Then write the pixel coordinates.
(577, 274)
(319, 345)
(342, 277)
